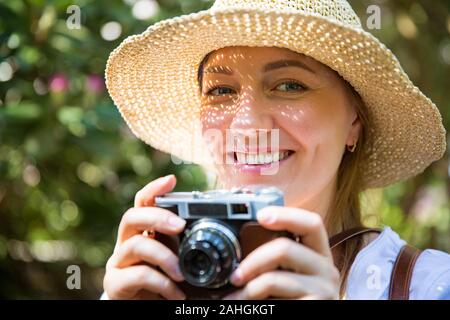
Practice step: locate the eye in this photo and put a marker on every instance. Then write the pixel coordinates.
(218, 91)
(290, 85)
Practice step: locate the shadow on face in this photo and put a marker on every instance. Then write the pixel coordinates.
(281, 110)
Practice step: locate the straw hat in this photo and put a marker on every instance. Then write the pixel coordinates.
(152, 79)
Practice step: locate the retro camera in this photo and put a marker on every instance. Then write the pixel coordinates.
(221, 230)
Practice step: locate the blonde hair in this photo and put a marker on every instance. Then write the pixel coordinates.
(345, 210)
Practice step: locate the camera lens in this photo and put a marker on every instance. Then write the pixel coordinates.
(197, 261)
(208, 254)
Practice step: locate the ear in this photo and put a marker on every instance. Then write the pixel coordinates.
(354, 132)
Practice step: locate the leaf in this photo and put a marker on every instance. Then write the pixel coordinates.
(23, 111)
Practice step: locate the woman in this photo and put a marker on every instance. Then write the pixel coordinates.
(341, 117)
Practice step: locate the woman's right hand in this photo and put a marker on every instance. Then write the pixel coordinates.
(130, 271)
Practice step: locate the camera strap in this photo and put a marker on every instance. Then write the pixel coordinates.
(403, 267)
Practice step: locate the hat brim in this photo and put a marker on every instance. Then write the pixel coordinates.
(152, 79)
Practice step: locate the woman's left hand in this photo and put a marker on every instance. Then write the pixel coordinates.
(312, 273)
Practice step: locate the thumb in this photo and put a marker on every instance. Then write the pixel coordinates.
(146, 196)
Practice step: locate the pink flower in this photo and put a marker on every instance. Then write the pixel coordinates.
(58, 83)
(95, 83)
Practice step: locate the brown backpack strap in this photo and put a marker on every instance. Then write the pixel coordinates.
(343, 236)
(403, 266)
(402, 272)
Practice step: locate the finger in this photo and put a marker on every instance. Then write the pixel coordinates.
(146, 196)
(313, 297)
(136, 220)
(139, 248)
(308, 225)
(284, 253)
(283, 284)
(126, 283)
(147, 295)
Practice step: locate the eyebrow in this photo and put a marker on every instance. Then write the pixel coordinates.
(268, 67)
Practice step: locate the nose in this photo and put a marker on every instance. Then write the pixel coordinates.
(251, 114)
(250, 121)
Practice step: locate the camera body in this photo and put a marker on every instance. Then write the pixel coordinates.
(221, 230)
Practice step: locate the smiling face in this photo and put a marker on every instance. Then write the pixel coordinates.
(249, 90)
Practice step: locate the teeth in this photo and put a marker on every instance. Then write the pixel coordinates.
(276, 156)
(240, 157)
(261, 158)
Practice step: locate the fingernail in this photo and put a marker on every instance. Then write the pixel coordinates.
(176, 222)
(167, 178)
(265, 216)
(236, 277)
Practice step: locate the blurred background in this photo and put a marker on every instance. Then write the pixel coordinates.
(69, 166)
